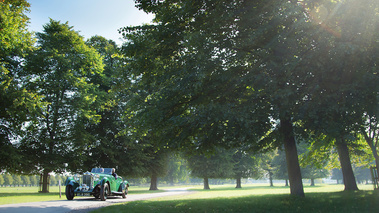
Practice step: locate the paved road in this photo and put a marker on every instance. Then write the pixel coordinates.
(81, 204)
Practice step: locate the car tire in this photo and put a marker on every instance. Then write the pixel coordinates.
(96, 192)
(125, 192)
(104, 192)
(70, 192)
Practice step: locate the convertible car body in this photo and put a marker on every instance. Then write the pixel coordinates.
(99, 183)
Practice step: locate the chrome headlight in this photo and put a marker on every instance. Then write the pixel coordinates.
(77, 177)
(96, 178)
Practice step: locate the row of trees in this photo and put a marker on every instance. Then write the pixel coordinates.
(238, 77)
(179, 171)
(28, 180)
(257, 75)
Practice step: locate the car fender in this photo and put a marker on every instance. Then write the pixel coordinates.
(72, 182)
(69, 181)
(104, 180)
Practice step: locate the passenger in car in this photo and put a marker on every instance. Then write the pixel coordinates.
(114, 173)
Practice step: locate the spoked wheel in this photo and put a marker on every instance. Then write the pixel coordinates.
(104, 191)
(70, 192)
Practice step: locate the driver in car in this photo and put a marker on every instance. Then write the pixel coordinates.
(114, 173)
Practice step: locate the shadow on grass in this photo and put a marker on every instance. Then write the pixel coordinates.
(358, 201)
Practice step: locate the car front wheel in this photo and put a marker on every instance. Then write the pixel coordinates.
(125, 192)
(69, 192)
(104, 192)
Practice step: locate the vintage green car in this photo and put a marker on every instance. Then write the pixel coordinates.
(99, 183)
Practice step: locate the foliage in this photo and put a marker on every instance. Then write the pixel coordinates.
(246, 164)
(8, 179)
(65, 72)
(218, 165)
(336, 174)
(177, 171)
(344, 86)
(363, 174)
(280, 166)
(16, 101)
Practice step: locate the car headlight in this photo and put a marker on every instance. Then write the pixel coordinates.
(77, 177)
(96, 178)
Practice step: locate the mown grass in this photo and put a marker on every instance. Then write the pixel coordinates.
(257, 198)
(250, 198)
(12, 195)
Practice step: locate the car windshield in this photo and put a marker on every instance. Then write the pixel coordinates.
(102, 170)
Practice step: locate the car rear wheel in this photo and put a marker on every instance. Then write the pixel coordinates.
(104, 191)
(69, 192)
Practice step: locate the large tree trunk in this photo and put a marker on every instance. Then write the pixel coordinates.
(293, 167)
(45, 182)
(238, 182)
(206, 183)
(154, 182)
(347, 170)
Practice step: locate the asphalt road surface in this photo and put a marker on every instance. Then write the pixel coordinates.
(82, 204)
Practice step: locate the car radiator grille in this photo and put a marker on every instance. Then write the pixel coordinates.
(87, 180)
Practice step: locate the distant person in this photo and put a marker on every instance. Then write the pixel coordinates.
(114, 173)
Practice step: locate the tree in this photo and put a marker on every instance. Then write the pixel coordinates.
(313, 173)
(177, 171)
(363, 174)
(64, 71)
(111, 139)
(17, 180)
(337, 175)
(8, 179)
(25, 180)
(267, 164)
(33, 180)
(157, 166)
(218, 165)
(280, 166)
(16, 101)
(370, 132)
(53, 180)
(345, 84)
(245, 165)
(1, 180)
(220, 72)
(312, 168)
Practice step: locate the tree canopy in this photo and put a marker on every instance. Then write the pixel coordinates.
(64, 71)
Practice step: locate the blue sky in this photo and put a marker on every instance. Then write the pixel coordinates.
(89, 17)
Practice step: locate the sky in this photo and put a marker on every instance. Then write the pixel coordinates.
(89, 17)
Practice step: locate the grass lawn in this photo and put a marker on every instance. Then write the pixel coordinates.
(12, 195)
(250, 198)
(259, 198)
